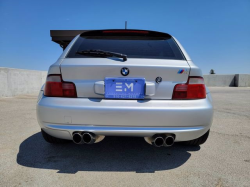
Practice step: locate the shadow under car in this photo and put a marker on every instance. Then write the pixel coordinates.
(121, 154)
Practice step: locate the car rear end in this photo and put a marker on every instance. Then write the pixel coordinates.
(156, 93)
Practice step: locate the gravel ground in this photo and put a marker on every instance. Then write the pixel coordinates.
(224, 160)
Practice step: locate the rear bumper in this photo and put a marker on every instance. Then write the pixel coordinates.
(187, 119)
(181, 133)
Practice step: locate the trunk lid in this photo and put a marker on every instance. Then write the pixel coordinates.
(86, 72)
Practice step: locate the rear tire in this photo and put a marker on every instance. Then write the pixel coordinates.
(198, 141)
(53, 140)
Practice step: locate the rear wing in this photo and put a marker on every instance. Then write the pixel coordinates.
(64, 37)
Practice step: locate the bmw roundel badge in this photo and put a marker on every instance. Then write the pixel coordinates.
(158, 80)
(124, 71)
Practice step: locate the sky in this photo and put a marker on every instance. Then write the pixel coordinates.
(216, 34)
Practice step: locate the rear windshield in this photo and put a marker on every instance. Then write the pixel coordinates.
(133, 47)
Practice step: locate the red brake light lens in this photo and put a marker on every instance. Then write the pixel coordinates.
(125, 31)
(193, 89)
(55, 87)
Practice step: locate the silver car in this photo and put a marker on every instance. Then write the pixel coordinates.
(124, 83)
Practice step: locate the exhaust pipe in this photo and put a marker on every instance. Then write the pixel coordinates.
(77, 138)
(161, 140)
(88, 138)
(169, 140)
(158, 141)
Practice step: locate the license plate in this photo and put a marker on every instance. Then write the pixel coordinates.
(124, 88)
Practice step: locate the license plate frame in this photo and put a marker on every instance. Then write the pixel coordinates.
(124, 88)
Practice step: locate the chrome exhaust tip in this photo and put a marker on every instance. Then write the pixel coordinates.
(158, 141)
(77, 138)
(169, 141)
(88, 138)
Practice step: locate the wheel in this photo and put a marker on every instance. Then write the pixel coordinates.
(51, 139)
(198, 141)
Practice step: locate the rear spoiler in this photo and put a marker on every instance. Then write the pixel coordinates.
(64, 37)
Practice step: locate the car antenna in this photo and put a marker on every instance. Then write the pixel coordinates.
(125, 24)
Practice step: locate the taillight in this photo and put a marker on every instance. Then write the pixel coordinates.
(193, 89)
(55, 87)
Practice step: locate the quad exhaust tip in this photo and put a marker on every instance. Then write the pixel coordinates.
(86, 138)
(77, 138)
(169, 141)
(161, 140)
(158, 141)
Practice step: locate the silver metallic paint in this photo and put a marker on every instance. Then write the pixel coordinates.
(84, 72)
(187, 119)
